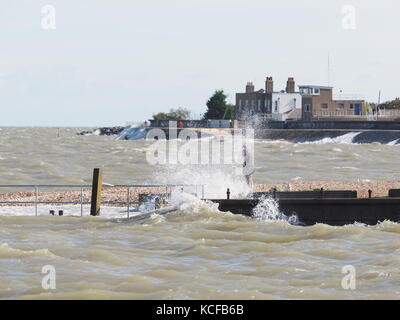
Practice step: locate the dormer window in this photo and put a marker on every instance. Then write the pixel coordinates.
(310, 91)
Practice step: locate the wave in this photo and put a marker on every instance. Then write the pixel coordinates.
(394, 142)
(9, 252)
(347, 138)
(390, 138)
(132, 134)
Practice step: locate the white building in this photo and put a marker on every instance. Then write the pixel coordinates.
(286, 106)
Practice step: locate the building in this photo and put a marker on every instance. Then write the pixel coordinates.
(286, 104)
(267, 103)
(318, 103)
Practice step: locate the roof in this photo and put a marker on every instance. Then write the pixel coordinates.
(318, 87)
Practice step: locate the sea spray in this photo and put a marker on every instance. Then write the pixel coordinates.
(268, 210)
(189, 203)
(215, 180)
(213, 166)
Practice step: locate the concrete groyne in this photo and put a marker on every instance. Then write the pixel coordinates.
(336, 212)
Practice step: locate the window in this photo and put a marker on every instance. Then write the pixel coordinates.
(306, 91)
(307, 107)
(247, 103)
(316, 91)
(351, 106)
(340, 106)
(324, 106)
(259, 105)
(268, 105)
(276, 106)
(240, 103)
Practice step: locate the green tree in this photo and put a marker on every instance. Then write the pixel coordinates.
(218, 108)
(229, 112)
(173, 115)
(370, 106)
(395, 104)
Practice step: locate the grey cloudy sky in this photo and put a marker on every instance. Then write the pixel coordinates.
(111, 62)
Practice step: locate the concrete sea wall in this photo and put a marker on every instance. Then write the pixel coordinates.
(332, 125)
(348, 136)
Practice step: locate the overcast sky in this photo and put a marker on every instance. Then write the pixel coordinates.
(117, 61)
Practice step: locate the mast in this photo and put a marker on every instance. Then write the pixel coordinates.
(329, 68)
(377, 106)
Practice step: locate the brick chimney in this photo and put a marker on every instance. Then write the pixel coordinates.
(249, 87)
(290, 86)
(269, 85)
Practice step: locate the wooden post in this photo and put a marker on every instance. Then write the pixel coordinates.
(96, 192)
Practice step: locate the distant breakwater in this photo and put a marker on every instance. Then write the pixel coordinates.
(105, 131)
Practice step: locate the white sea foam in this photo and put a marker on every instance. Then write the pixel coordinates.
(132, 133)
(393, 143)
(268, 210)
(347, 138)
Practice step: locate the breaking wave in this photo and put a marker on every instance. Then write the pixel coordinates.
(132, 134)
(393, 143)
(268, 210)
(347, 138)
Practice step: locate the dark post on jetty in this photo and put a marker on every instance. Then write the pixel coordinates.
(96, 192)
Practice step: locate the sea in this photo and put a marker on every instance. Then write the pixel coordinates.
(196, 251)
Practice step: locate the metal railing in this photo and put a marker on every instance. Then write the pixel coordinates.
(128, 202)
(338, 113)
(348, 97)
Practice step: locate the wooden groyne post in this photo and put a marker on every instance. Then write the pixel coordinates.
(96, 192)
